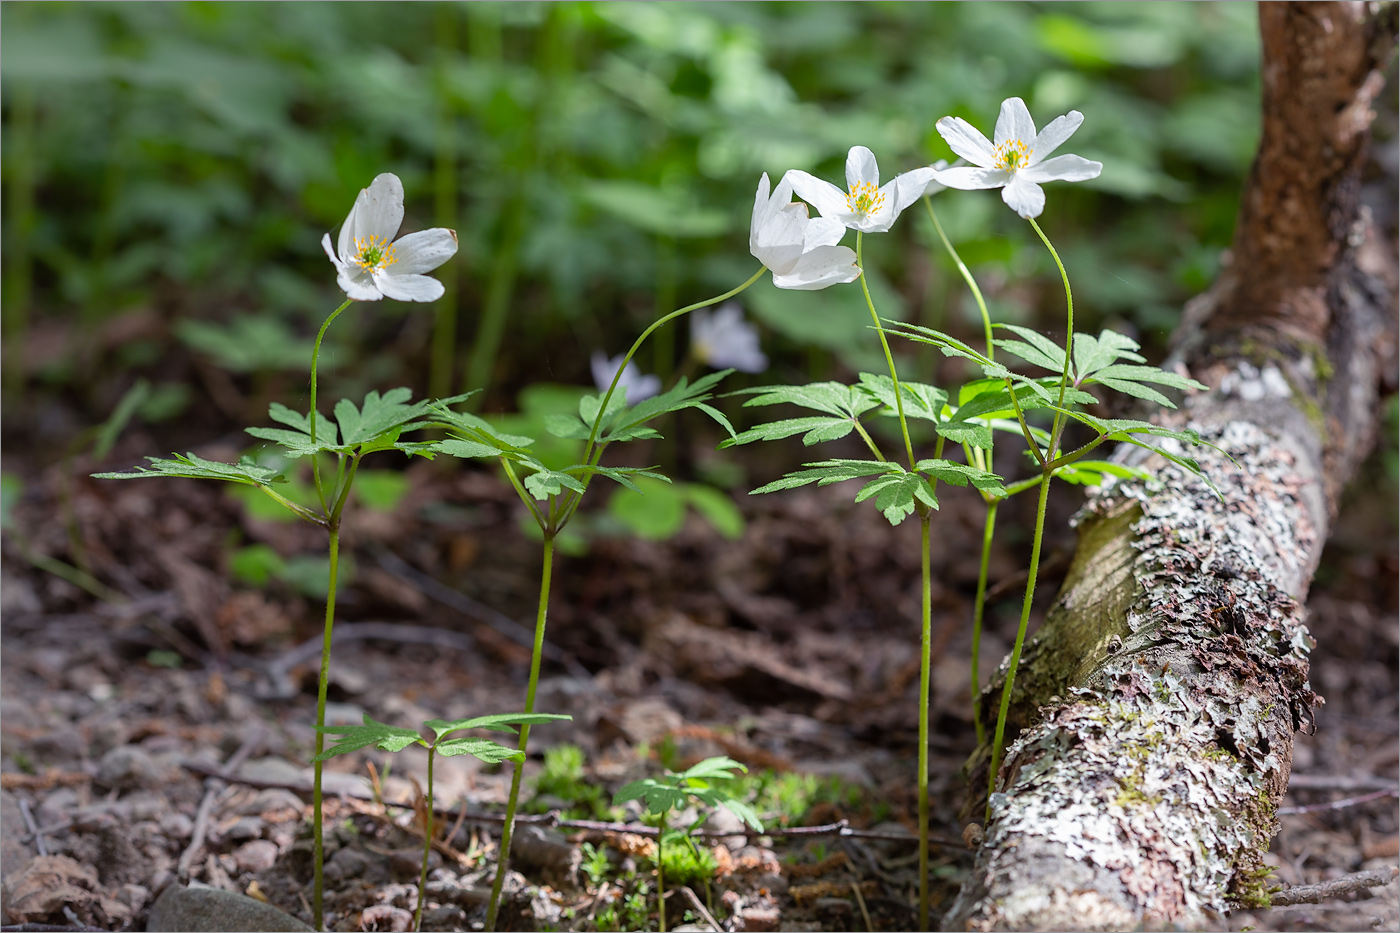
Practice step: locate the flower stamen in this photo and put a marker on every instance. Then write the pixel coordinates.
(373, 253)
(864, 199)
(1012, 155)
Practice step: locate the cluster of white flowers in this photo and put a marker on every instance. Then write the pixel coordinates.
(802, 252)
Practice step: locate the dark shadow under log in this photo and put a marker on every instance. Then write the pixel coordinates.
(1157, 705)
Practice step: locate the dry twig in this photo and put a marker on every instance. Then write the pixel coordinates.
(1326, 890)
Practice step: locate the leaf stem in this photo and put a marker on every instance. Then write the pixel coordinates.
(1020, 639)
(967, 277)
(885, 344)
(524, 496)
(660, 875)
(865, 436)
(503, 859)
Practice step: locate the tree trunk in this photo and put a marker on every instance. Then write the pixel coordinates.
(1158, 702)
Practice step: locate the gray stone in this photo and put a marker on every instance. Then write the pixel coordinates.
(128, 768)
(245, 828)
(199, 909)
(177, 826)
(255, 856)
(347, 863)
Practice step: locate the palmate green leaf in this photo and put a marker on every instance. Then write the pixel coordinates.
(1130, 381)
(1034, 347)
(375, 425)
(921, 401)
(720, 766)
(659, 796)
(1092, 354)
(1187, 463)
(834, 398)
(477, 435)
(896, 494)
(377, 416)
(814, 429)
(960, 474)
(497, 722)
(827, 472)
(626, 424)
(188, 466)
(485, 749)
(380, 734)
(619, 475)
(545, 482)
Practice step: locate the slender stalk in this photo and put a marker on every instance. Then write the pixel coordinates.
(1020, 639)
(885, 344)
(865, 436)
(503, 860)
(312, 416)
(317, 843)
(660, 877)
(593, 451)
(978, 613)
(427, 841)
(925, 680)
(1069, 337)
(966, 274)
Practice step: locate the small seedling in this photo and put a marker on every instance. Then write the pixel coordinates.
(673, 791)
(396, 739)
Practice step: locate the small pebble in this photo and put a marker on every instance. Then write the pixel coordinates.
(247, 827)
(255, 856)
(177, 826)
(128, 768)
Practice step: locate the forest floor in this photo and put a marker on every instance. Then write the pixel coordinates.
(792, 649)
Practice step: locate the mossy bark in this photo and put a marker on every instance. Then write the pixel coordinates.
(1156, 707)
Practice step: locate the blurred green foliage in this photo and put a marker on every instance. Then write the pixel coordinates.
(598, 161)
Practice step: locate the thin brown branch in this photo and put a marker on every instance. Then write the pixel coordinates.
(700, 909)
(1326, 890)
(1338, 804)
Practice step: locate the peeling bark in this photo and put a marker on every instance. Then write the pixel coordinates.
(1157, 705)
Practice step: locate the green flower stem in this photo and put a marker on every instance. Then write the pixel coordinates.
(889, 358)
(312, 416)
(503, 860)
(925, 680)
(660, 876)
(1020, 487)
(637, 345)
(1069, 335)
(967, 277)
(317, 843)
(427, 841)
(1020, 639)
(978, 613)
(593, 451)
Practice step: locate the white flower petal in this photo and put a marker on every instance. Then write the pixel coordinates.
(358, 284)
(423, 251)
(633, 385)
(934, 186)
(829, 200)
(1024, 196)
(1054, 135)
(861, 168)
(1014, 122)
(823, 231)
(378, 211)
(724, 340)
(326, 245)
(1063, 168)
(823, 266)
(408, 287)
(964, 139)
(910, 186)
(778, 244)
(968, 178)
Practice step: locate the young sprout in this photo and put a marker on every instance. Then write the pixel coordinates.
(673, 791)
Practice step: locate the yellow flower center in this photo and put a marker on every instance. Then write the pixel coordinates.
(373, 253)
(1012, 155)
(864, 198)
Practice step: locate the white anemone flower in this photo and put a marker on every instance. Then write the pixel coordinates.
(370, 264)
(866, 206)
(636, 386)
(1016, 163)
(724, 340)
(800, 251)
